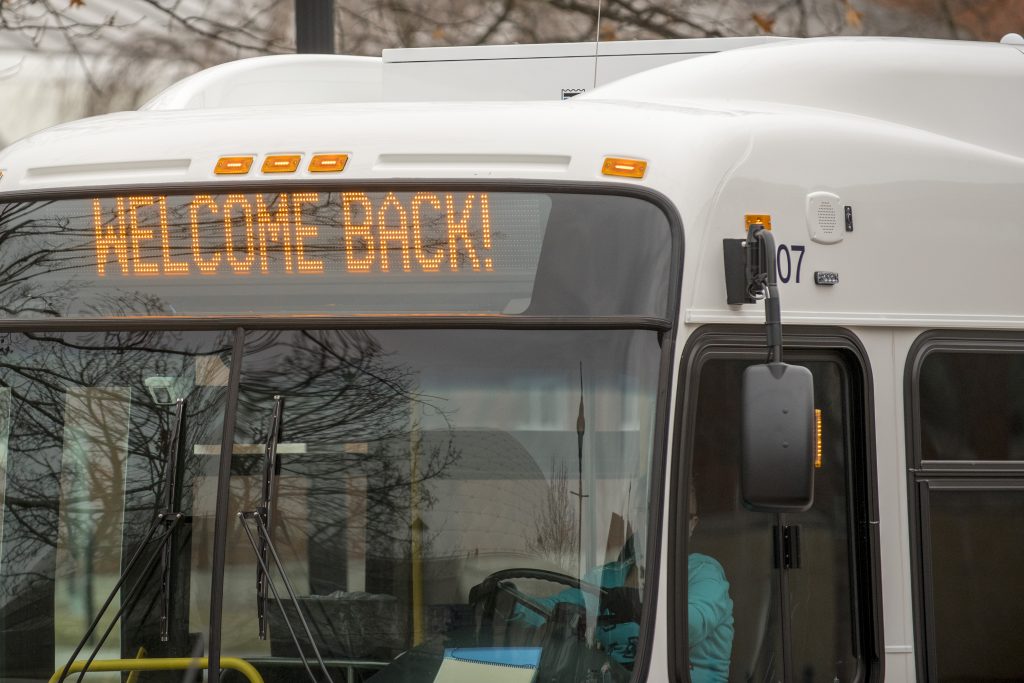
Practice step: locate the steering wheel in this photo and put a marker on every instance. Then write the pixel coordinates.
(566, 652)
(501, 582)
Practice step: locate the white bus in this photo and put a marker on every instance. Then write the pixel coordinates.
(299, 381)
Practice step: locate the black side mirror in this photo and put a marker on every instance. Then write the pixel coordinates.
(779, 437)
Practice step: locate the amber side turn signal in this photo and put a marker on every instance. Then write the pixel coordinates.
(626, 168)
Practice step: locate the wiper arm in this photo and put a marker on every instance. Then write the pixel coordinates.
(172, 501)
(263, 546)
(262, 560)
(164, 549)
(129, 599)
(271, 470)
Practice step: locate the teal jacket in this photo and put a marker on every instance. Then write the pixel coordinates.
(710, 617)
(619, 640)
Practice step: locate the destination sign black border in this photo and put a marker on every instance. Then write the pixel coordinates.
(656, 198)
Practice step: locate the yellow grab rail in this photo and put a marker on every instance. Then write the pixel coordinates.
(133, 677)
(162, 664)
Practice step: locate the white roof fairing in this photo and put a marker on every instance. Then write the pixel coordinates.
(287, 79)
(967, 91)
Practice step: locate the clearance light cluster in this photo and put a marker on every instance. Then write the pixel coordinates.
(625, 168)
(281, 163)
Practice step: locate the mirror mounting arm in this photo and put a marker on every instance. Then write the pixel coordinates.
(763, 284)
(777, 414)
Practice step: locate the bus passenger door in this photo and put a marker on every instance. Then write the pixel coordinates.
(799, 583)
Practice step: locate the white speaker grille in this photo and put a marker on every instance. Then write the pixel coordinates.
(826, 217)
(823, 212)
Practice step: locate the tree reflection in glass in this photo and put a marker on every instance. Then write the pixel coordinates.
(87, 445)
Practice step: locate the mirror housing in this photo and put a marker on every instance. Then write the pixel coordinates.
(778, 438)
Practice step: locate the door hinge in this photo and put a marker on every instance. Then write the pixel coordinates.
(787, 547)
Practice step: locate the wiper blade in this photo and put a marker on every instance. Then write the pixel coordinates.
(271, 470)
(263, 546)
(172, 501)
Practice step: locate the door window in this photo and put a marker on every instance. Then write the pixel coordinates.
(791, 577)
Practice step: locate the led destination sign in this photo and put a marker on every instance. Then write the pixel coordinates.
(351, 250)
(314, 233)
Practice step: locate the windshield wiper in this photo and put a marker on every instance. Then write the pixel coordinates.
(265, 541)
(172, 501)
(271, 470)
(264, 548)
(169, 520)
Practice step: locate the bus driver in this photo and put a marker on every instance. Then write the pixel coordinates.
(709, 613)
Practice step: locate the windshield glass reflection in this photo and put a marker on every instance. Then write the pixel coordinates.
(446, 501)
(88, 421)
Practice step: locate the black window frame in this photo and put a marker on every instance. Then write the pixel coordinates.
(750, 342)
(667, 329)
(924, 476)
(651, 196)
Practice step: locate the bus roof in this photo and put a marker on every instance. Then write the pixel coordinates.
(958, 89)
(436, 74)
(965, 91)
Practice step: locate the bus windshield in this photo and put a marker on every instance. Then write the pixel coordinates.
(438, 493)
(411, 502)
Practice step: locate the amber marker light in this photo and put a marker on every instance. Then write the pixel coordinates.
(817, 438)
(328, 163)
(625, 168)
(233, 165)
(281, 163)
(758, 219)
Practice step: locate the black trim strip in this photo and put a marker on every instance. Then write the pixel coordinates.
(750, 342)
(220, 521)
(922, 583)
(659, 200)
(369, 322)
(221, 186)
